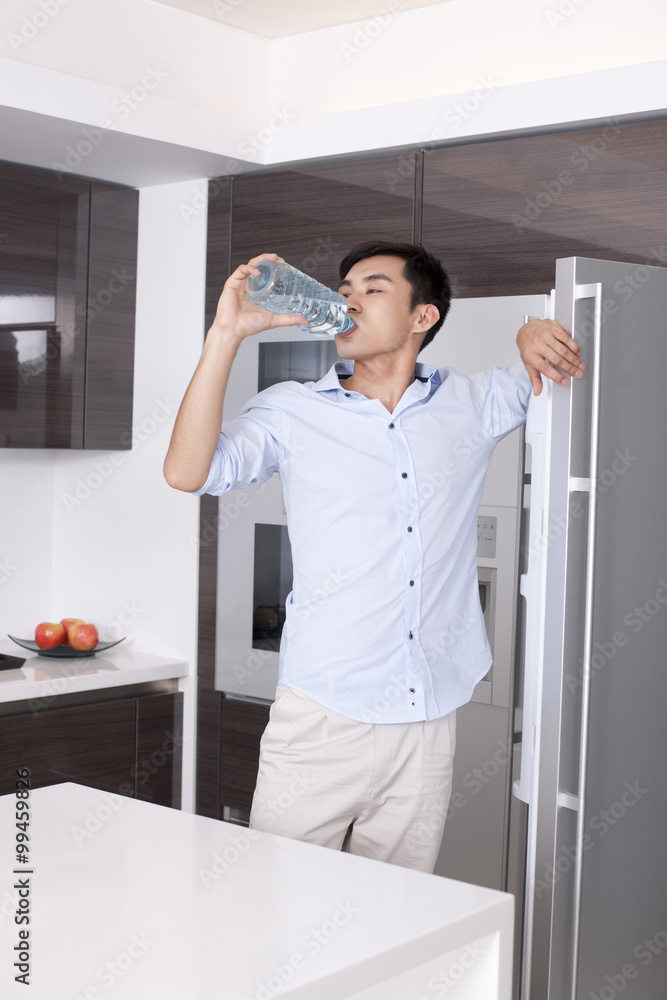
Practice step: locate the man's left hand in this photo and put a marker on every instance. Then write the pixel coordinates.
(545, 347)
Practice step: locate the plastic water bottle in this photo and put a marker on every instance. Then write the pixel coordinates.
(280, 288)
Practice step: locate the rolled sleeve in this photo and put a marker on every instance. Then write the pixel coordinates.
(502, 395)
(248, 452)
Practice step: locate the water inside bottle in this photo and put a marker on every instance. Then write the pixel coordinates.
(285, 290)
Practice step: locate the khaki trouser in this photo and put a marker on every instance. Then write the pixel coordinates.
(380, 790)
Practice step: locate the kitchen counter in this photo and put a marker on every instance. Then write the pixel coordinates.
(46, 677)
(158, 903)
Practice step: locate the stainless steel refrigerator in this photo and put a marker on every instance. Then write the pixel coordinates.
(594, 604)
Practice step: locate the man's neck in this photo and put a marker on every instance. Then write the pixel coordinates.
(382, 378)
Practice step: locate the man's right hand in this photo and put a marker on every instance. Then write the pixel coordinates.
(237, 316)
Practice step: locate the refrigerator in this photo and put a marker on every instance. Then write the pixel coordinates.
(593, 603)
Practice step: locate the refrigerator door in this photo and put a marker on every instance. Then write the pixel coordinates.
(596, 784)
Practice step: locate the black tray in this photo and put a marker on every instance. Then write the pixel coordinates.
(63, 652)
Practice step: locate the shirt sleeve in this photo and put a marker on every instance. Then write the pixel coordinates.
(502, 395)
(249, 449)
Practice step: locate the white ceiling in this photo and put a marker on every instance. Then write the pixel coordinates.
(276, 18)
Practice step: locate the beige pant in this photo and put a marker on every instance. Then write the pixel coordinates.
(376, 789)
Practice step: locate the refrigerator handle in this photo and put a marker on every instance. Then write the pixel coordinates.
(590, 486)
(531, 588)
(532, 582)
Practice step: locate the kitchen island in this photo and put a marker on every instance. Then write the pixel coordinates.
(144, 901)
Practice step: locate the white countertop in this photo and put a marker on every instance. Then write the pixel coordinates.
(46, 677)
(135, 901)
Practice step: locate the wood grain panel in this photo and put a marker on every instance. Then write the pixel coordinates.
(313, 215)
(242, 726)
(500, 213)
(43, 276)
(112, 273)
(159, 749)
(218, 242)
(208, 699)
(90, 744)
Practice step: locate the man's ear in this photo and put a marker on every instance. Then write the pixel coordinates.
(427, 316)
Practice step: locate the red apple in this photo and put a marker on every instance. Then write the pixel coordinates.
(49, 634)
(83, 636)
(67, 624)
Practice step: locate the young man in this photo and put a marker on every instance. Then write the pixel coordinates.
(384, 636)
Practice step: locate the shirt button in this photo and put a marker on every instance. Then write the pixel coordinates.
(391, 427)
(409, 635)
(412, 691)
(404, 475)
(347, 394)
(412, 583)
(409, 528)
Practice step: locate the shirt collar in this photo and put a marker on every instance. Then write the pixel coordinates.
(341, 369)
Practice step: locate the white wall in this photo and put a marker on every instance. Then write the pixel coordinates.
(26, 539)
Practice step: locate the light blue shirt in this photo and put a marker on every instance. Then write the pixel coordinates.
(384, 622)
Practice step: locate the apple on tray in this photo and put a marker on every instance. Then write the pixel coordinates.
(67, 624)
(50, 634)
(83, 636)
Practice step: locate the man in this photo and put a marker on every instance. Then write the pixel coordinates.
(384, 636)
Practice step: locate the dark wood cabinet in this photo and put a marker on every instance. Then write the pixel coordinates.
(132, 746)
(500, 213)
(68, 251)
(242, 725)
(313, 215)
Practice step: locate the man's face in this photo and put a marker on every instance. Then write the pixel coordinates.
(378, 300)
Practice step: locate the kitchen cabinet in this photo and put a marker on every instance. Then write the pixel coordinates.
(68, 249)
(499, 213)
(129, 746)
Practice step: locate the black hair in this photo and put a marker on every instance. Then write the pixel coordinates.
(427, 277)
